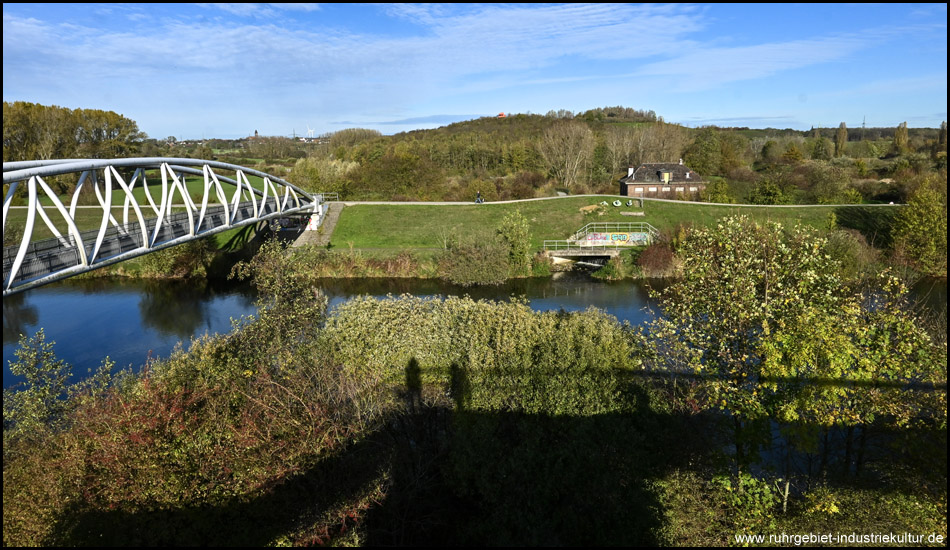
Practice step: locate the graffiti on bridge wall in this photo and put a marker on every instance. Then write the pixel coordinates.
(617, 239)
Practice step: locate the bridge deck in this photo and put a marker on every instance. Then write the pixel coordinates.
(50, 256)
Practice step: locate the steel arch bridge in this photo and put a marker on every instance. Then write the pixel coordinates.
(158, 220)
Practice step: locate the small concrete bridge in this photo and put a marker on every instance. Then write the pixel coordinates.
(601, 240)
(176, 215)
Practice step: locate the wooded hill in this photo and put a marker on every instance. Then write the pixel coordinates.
(531, 155)
(524, 156)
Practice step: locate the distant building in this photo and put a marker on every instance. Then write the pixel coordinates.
(501, 115)
(662, 180)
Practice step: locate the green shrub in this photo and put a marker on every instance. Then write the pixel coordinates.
(41, 403)
(514, 233)
(856, 257)
(478, 262)
(752, 502)
(613, 270)
(512, 357)
(191, 259)
(920, 230)
(656, 260)
(541, 265)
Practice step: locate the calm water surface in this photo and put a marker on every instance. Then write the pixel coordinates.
(129, 320)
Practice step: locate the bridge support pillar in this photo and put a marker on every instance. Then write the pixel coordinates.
(318, 211)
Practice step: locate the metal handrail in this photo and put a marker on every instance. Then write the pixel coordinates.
(571, 245)
(70, 252)
(604, 227)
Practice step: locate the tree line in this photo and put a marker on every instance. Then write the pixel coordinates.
(41, 132)
(525, 156)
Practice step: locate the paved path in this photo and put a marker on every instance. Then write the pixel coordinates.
(321, 237)
(608, 198)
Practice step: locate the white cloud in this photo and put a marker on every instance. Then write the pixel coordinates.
(709, 67)
(253, 59)
(260, 9)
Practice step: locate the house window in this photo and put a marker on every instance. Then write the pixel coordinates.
(665, 189)
(638, 190)
(653, 189)
(680, 189)
(692, 189)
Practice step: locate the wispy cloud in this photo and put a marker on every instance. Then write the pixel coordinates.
(426, 120)
(260, 9)
(280, 58)
(750, 121)
(706, 68)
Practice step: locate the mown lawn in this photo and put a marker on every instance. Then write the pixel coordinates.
(419, 226)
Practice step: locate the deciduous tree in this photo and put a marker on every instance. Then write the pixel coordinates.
(901, 139)
(841, 140)
(567, 148)
(921, 230)
(704, 155)
(762, 314)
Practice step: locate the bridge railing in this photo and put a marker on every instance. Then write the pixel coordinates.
(48, 255)
(208, 208)
(617, 227)
(572, 246)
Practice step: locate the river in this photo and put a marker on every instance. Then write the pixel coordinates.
(129, 320)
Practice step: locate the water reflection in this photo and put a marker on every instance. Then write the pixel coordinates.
(177, 309)
(129, 320)
(126, 320)
(17, 316)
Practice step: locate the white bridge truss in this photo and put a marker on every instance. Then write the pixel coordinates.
(167, 218)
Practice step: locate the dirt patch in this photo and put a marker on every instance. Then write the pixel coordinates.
(590, 209)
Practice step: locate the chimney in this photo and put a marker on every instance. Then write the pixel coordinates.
(681, 162)
(629, 171)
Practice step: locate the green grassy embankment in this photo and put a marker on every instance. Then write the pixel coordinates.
(382, 229)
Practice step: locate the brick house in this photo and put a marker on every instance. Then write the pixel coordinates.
(661, 179)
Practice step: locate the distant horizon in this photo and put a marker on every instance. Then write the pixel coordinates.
(224, 70)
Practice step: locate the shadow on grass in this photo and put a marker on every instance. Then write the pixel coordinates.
(245, 236)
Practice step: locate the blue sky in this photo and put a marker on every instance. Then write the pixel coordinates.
(226, 70)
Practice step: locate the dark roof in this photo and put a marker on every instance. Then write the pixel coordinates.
(650, 173)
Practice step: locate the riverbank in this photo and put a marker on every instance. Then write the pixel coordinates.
(374, 237)
(402, 421)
